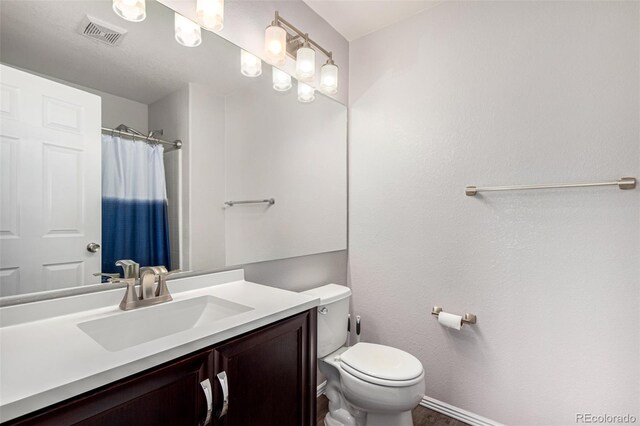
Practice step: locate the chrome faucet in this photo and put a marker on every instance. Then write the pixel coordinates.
(150, 294)
(130, 268)
(147, 282)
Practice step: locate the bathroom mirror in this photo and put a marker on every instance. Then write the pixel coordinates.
(86, 98)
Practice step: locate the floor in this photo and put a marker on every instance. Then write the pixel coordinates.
(421, 416)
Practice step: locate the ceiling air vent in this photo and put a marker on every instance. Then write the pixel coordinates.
(102, 31)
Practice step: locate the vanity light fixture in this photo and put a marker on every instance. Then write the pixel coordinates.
(210, 14)
(187, 32)
(281, 80)
(329, 77)
(131, 10)
(303, 49)
(250, 65)
(275, 43)
(306, 93)
(306, 61)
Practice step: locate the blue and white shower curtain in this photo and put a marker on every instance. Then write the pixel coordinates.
(134, 204)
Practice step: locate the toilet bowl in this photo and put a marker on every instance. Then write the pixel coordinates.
(367, 384)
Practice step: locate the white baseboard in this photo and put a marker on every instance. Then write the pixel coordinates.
(322, 387)
(457, 413)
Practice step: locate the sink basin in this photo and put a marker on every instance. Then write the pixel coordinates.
(136, 327)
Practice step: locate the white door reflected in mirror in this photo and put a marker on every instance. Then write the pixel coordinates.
(50, 184)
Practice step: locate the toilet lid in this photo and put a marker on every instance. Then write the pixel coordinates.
(382, 362)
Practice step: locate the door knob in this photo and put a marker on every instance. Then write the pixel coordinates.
(93, 247)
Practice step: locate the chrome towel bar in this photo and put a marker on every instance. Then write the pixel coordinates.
(270, 201)
(622, 183)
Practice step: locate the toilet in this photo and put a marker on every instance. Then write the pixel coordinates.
(367, 384)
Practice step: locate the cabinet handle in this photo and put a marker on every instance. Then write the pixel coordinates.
(224, 384)
(206, 388)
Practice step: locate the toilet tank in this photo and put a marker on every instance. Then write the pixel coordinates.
(332, 324)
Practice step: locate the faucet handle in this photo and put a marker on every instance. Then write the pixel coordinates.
(130, 296)
(112, 278)
(162, 289)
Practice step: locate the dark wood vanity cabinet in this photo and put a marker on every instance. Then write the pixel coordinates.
(166, 395)
(271, 375)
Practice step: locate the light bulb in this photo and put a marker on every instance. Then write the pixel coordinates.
(329, 78)
(131, 10)
(281, 80)
(306, 93)
(275, 45)
(187, 32)
(305, 63)
(210, 14)
(250, 65)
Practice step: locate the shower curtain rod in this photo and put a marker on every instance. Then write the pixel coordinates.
(123, 130)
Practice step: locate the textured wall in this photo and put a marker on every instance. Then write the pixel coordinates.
(497, 93)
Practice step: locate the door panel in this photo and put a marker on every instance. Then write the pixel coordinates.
(57, 275)
(63, 194)
(9, 211)
(51, 184)
(60, 115)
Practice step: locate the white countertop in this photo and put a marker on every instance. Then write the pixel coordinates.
(45, 359)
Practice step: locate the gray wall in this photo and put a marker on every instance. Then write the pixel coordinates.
(206, 171)
(300, 273)
(295, 153)
(498, 93)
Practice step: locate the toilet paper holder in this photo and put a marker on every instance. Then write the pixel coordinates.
(466, 318)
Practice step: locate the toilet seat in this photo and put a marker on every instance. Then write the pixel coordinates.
(381, 365)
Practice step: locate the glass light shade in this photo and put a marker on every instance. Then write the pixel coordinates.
(305, 63)
(306, 93)
(281, 80)
(275, 45)
(131, 10)
(329, 79)
(210, 14)
(188, 33)
(250, 65)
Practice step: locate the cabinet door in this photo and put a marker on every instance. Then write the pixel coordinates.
(271, 375)
(169, 395)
